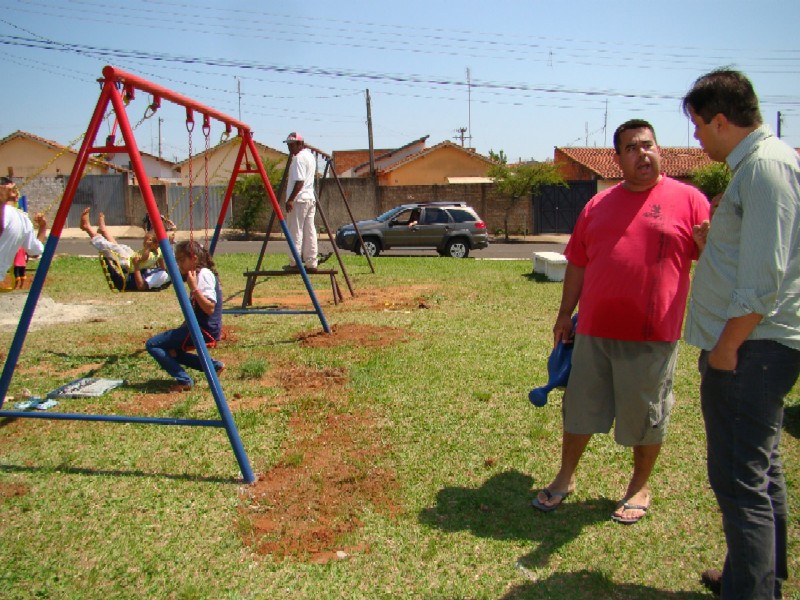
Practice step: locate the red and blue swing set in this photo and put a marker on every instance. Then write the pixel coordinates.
(118, 88)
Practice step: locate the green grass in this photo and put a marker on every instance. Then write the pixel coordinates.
(121, 511)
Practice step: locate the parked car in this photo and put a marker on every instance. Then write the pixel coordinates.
(452, 228)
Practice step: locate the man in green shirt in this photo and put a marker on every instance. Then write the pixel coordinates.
(744, 315)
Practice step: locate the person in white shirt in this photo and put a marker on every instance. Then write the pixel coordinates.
(301, 202)
(16, 229)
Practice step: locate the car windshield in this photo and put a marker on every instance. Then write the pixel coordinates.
(390, 214)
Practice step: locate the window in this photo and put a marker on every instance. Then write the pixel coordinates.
(435, 216)
(462, 216)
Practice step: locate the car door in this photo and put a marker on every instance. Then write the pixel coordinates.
(434, 225)
(398, 230)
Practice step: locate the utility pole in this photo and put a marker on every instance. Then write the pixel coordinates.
(369, 133)
(239, 93)
(469, 108)
(780, 120)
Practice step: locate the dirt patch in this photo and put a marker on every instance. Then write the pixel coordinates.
(353, 334)
(12, 490)
(48, 312)
(396, 298)
(306, 506)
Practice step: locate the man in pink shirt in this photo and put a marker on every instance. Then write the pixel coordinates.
(629, 260)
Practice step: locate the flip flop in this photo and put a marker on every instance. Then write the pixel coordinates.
(550, 495)
(630, 520)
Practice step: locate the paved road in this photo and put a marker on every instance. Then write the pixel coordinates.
(519, 250)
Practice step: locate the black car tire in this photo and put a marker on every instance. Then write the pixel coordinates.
(372, 246)
(457, 248)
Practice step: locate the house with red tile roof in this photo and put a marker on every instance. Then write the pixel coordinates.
(24, 154)
(414, 164)
(597, 164)
(358, 160)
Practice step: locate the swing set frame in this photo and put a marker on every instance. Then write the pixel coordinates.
(117, 87)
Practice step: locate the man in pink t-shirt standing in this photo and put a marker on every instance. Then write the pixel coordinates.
(629, 260)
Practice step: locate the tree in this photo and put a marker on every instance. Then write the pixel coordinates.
(498, 157)
(251, 197)
(523, 181)
(711, 179)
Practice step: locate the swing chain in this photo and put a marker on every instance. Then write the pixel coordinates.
(149, 111)
(207, 134)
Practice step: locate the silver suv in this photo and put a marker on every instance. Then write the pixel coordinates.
(452, 228)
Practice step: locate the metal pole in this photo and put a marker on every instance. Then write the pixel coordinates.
(52, 242)
(180, 290)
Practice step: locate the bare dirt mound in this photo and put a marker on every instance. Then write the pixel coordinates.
(394, 298)
(307, 504)
(47, 311)
(354, 334)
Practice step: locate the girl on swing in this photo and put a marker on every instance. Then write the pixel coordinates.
(128, 270)
(171, 348)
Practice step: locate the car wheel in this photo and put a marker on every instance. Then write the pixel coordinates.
(371, 246)
(457, 248)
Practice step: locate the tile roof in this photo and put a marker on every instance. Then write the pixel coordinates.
(344, 160)
(56, 146)
(232, 140)
(444, 144)
(675, 161)
(387, 156)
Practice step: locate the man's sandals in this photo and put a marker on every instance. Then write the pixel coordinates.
(632, 519)
(550, 495)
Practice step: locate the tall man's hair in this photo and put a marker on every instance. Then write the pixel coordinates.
(724, 91)
(628, 125)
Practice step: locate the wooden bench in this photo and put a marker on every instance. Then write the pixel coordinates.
(251, 276)
(552, 265)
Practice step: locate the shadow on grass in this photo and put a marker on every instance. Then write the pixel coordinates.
(791, 420)
(501, 509)
(116, 473)
(589, 585)
(538, 278)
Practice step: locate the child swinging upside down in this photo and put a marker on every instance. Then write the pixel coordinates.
(171, 348)
(128, 270)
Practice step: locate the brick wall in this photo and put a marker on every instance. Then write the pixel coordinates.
(43, 193)
(481, 196)
(364, 203)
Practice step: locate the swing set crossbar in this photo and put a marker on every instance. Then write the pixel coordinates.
(17, 414)
(265, 311)
(114, 81)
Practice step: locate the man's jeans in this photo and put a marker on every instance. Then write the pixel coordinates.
(164, 345)
(743, 413)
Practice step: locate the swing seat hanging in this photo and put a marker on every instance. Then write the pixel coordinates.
(115, 275)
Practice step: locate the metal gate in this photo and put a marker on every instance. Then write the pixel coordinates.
(103, 194)
(180, 198)
(556, 208)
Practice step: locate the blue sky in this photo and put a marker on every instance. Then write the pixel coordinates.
(541, 74)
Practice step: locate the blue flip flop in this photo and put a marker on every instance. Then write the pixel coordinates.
(550, 495)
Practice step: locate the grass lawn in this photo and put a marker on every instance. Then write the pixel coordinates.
(396, 457)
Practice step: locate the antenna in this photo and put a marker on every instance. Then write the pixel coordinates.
(460, 135)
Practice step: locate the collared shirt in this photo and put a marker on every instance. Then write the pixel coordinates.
(751, 262)
(303, 168)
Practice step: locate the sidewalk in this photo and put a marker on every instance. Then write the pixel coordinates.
(121, 232)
